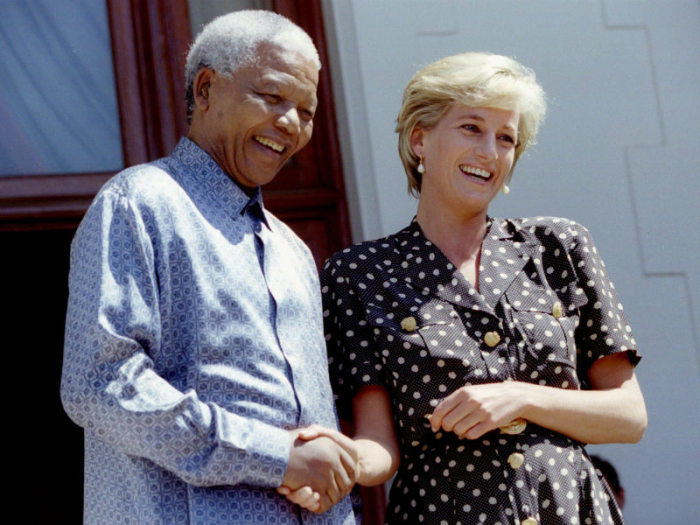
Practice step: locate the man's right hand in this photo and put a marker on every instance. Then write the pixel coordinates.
(324, 465)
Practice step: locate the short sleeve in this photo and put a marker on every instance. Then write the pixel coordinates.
(603, 329)
(353, 358)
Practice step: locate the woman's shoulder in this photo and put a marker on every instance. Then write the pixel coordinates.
(565, 230)
(368, 252)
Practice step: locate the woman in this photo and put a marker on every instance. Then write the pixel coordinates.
(492, 348)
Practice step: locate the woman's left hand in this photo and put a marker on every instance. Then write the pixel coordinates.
(472, 411)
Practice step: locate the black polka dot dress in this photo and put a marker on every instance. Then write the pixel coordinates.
(399, 314)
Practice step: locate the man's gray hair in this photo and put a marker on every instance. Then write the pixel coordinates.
(231, 41)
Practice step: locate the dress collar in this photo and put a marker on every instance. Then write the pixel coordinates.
(505, 250)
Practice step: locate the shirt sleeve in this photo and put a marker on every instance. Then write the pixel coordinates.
(109, 385)
(603, 328)
(354, 360)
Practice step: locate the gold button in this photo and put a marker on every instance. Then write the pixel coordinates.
(492, 339)
(514, 427)
(409, 324)
(516, 459)
(529, 521)
(556, 310)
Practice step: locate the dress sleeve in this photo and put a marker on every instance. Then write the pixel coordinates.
(603, 329)
(354, 360)
(109, 385)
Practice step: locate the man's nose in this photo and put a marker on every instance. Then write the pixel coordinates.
(289, 121)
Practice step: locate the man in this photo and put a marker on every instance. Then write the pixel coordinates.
(194, 351)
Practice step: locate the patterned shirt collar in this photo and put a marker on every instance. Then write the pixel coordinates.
(202, 174)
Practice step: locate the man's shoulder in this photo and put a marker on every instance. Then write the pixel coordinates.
(142, 182)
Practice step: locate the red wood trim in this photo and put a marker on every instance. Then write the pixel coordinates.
(149, 43)
(324, 143)
(125, 55)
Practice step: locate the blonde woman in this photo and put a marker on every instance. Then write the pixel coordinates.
(480, 353)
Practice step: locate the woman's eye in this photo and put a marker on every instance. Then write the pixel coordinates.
(508, 139)
(473, 128)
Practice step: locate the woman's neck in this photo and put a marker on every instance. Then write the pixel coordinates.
(458, 237)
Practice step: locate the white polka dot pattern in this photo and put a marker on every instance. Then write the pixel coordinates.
(545, 312)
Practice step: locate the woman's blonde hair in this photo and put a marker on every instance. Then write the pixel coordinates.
(471, 79)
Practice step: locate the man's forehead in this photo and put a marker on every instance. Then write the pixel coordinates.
(277, 64)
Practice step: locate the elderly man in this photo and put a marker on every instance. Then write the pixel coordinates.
(194, 351)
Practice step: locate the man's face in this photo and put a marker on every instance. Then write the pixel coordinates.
(253, 121)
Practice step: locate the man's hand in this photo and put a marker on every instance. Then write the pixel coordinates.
(322, 464)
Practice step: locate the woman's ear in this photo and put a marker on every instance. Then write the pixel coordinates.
(416, 141)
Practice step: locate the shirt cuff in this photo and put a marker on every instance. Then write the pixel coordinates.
(257, 452)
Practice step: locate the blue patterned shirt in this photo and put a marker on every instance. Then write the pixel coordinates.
(194, 341)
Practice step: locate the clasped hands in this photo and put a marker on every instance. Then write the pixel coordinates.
(323, 467)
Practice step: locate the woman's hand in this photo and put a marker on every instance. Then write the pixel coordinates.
(473, 410)
(612, 411)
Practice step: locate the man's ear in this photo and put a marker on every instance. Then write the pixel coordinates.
(200, 87)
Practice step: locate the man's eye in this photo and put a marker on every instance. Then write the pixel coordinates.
(271, 97)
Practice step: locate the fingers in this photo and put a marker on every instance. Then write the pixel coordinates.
(469, 427)
(343, 474)
(473, 410)
(315, 431)
(304, 496)
(457, 413)
(444, 416)
(312, 432)
(323, 465)
(349, 455)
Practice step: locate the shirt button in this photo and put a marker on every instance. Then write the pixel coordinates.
(556, 310)
(492, 339)
(409, 324)
(516, 459)
(529, 521)
(517, 426)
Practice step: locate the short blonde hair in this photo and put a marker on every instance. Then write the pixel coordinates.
(472, 79)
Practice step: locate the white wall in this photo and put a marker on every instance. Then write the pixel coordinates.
(618, 152)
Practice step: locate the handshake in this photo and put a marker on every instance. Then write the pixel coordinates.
(324, 465)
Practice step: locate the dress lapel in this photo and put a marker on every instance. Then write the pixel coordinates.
(504, 253)
(428, 271)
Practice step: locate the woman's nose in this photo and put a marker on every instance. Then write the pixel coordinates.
(486, 148)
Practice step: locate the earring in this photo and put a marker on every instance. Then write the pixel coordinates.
(204, 92)
(505, 189)
(420, 169)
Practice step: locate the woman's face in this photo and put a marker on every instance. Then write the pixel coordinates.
(467, 157)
